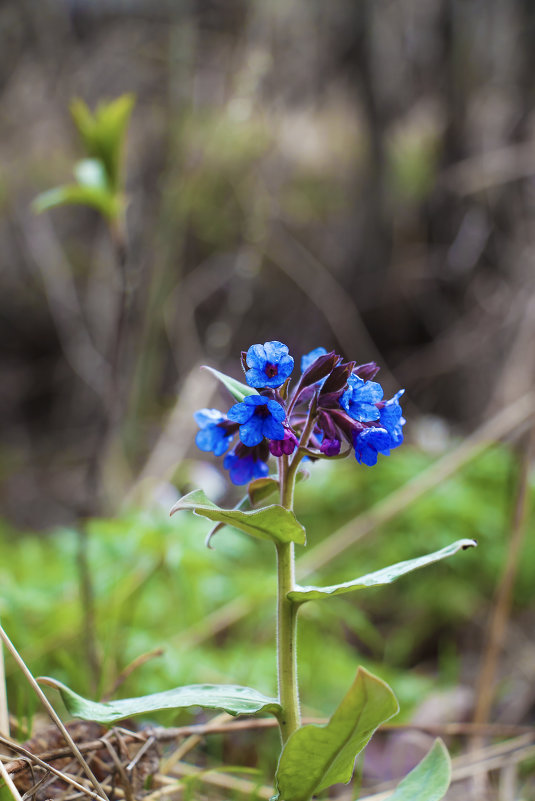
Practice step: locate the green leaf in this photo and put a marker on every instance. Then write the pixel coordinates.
(429, 780)
(74, 194)
(103, 132)
(270, 523)
(315, 757)
(237, 390)
(261, 488)
(385, 576)
(230, 698)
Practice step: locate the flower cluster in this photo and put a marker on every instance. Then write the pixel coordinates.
(333, 403)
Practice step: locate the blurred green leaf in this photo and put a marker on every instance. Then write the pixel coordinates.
(103, 132)
(74, 194)
(230, 698)
(315, 757)
(271, 523)
(261, 488)
(429, 780)
(238, 390)
(384, 576)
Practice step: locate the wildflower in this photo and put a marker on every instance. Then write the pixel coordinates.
(216, 432)
(391, 418)
(333, 402)
(360, 399)
(269, 365)
(244, 463)
(369, 443)
(258, 417)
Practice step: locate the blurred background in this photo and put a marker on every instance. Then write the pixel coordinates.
(357, 175)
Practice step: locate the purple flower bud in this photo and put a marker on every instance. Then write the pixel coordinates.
(338, 378)
(366, 371)
(317, 365)
(284, 447)
(330, 447)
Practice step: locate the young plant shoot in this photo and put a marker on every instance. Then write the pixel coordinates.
(335, 409)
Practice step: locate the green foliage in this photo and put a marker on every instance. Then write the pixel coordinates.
(429, 780)
(315, 757)
(238, 390)
(157, 585)
(385, 576)
(103, 133)
(269, 523)
(98, 177)
(230, 698)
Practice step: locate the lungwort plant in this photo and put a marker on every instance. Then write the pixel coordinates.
(334, 410)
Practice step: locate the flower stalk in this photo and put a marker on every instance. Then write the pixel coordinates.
(290, 719)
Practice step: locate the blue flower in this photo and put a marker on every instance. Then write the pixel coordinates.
(370, 443)
(214, 435)
(310, 358)
(269, 365)
(391, 418)
(245, 468)
(258, 417)
(360, 399)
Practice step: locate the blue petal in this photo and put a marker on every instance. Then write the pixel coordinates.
(256, 378)
(206, 417)
(275, 409)
(260, 469)
(371, 442)
(310, 358)
(286, 365)
(360, 398)
(251, 431)
(274, 351)
(254, 400)
(204, 440)
(256, 357)
(272, 429)
(240, 412)
(240, 470)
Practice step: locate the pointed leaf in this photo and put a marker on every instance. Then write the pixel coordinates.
(429, 780)
(270, 523)
(238, 390)
(315, 757)
(385, 576)
(103, 132)
(230, 698)
(74, 194)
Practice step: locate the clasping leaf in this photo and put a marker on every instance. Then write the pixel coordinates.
(315, 757)
(270, 523)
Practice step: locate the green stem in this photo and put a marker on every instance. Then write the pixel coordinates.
(290, 719)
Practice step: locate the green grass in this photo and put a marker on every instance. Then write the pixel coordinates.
(156, 585)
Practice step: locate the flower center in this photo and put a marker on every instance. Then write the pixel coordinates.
(271, 370)
(262, 411)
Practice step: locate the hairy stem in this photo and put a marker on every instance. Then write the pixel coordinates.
(290, 719)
